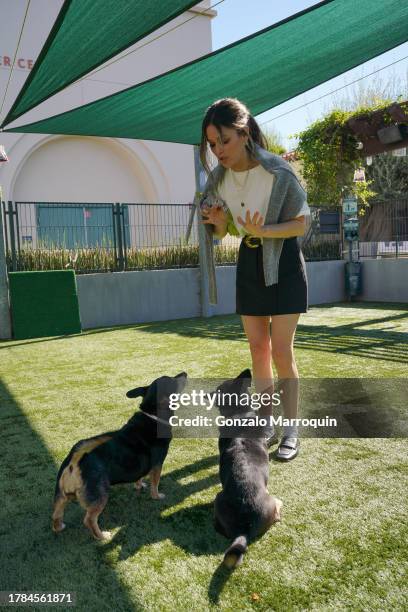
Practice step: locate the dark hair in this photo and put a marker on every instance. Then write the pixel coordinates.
(230, 113)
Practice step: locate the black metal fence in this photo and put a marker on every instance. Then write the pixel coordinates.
(97, 237)
(323, 238)
(384, 230)
(92, 237)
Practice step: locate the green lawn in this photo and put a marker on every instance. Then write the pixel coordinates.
(342, 541)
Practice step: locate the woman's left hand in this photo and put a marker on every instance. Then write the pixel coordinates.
(253, 226)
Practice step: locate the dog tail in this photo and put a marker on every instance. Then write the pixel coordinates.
(235, 552)
(86, 446)
(69, 478)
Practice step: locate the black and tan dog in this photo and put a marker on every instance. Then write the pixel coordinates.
(121, 456)
(244, 510)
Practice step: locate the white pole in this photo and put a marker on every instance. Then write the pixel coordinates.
(5, 319)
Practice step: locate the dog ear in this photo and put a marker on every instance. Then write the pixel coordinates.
(245, 374)
(137, 392)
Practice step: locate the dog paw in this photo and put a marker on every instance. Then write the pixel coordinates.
(58, 527)
(140, 485)
(158, 496)
(106, 536)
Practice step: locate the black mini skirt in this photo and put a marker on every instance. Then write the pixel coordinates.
(288, 296)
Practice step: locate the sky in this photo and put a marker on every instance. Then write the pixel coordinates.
(239, 18)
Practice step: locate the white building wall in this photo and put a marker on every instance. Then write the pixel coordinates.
(80, 169)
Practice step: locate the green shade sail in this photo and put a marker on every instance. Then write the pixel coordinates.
(85, 35)
(262, 70)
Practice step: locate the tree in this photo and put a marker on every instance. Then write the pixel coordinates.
(274, 141)
(329, 149)
(389, 176)
(381, 90)
(388, 173)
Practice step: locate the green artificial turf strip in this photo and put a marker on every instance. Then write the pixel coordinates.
(342, 541)
(44, 304)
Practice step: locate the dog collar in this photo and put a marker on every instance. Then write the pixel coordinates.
(157, 419)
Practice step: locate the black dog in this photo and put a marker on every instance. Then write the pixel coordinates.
(114, 457)
(244, 510)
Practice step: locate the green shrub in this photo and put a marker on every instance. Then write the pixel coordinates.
(157, 258)
(103, 259)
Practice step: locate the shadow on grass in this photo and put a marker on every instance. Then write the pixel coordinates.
(190, 528)
(350, 340)
(218, 582)
(35, 559)
(345, 339)
(32, 557)
(224, 327)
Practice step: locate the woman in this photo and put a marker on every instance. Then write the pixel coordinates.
(256, 194)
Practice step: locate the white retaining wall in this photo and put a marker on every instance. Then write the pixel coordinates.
(120, 298)
(385, 280)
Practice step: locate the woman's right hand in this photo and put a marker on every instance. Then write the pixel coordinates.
(214, 215)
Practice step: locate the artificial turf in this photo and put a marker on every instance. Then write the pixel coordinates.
(341, 544)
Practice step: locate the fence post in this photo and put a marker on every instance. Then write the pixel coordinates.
(124, 243)
(119, 242)
(11, 213)
(5, 318)
(206, 309)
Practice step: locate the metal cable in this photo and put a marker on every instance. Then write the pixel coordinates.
(15, 55)
(148, 42)
(332, 92)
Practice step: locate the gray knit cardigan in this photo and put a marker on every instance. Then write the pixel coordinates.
(288, 199)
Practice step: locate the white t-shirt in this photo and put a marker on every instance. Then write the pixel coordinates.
(248, 190)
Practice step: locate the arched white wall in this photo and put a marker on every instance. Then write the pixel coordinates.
(95, 170)
(151, 171)
(78, 169)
